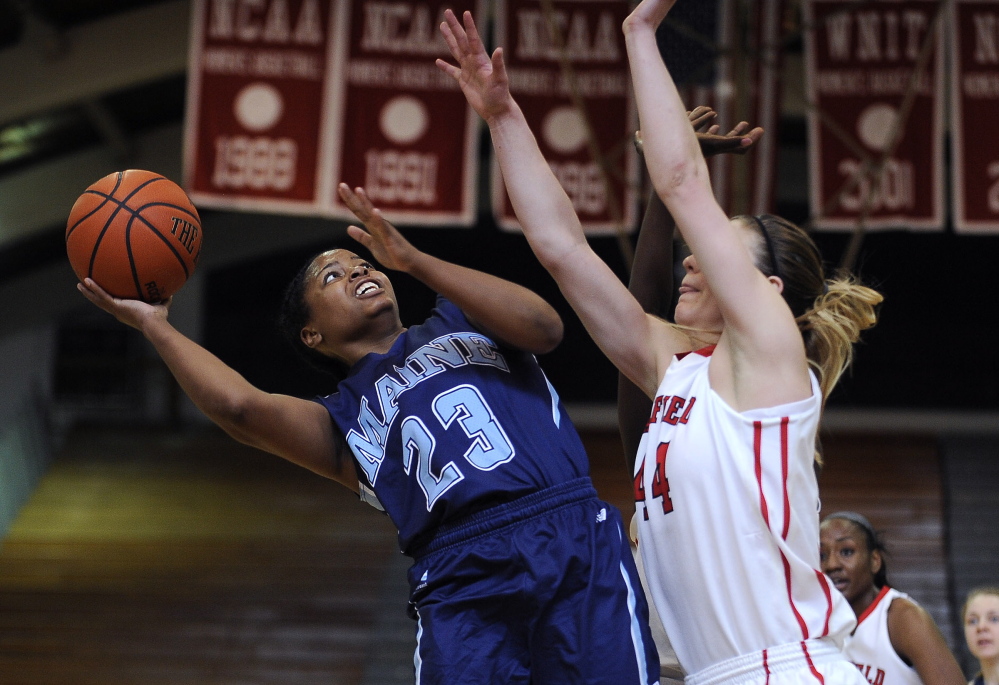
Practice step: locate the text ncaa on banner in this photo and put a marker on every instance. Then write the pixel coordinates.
(407, 133)
(255, 110)
(590, 32)
(861, 58)
(975, 102)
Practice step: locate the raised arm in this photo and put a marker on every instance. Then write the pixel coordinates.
(652, 270)
(297, 430)
(611, 315)
(507, 311)
(760, 359)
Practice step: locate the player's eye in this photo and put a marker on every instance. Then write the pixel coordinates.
(330, 275)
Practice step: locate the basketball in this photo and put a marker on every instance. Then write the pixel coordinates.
(136, 234)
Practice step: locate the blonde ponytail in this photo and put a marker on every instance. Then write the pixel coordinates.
(833, 324)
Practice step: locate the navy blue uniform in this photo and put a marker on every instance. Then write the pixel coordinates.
(521, 574)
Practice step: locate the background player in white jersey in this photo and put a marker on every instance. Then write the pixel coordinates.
(981, 630)
(732, 558)
(520, 575)
(896, 641)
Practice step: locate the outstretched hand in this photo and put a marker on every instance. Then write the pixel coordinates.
(737, 141)
(130, 312)
(483, 79)
(381, 238)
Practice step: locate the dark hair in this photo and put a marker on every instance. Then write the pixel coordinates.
(830, 313)
(873, 540)
(293, 317)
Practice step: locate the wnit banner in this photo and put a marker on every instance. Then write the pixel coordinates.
(875, 84)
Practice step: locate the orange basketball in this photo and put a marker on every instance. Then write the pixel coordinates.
(136, 234)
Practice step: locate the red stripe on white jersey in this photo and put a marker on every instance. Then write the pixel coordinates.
(811, 666)
(783, 472)
(757, 453)
(764, 509)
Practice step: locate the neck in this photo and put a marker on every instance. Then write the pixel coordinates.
(990, 671)
(352, 352)
(861, 603)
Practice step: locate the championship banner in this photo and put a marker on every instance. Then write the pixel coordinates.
(406, 132)
(256, 104)
(874, 72)
(974, 104)
(581, 110)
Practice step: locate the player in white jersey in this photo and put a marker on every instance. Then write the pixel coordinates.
(652, 286)
(896, 641)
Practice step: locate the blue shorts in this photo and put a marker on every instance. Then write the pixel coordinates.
(541, 590)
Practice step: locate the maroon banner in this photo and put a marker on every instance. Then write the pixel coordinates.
(861, 58)
(974, 104)
(407, 134)
(255, 112)
(590, 151)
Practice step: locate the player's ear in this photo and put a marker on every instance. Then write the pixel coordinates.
(876, 562)
(777, 282)
(310, 337)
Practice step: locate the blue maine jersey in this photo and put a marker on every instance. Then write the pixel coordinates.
(449, 422)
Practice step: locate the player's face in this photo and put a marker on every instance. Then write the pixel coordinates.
(845, 558)
(981, 626)
(345, 294)
(697, 306)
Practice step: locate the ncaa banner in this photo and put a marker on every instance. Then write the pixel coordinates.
(974, 104)
(574, 87)
(405, 130)
(256, 104)
(874, 74)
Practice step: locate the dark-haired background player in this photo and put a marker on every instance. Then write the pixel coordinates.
(896, 641)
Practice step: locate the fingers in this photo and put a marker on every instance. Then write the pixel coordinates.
(357, 201)
(701, 117)
(448, 27)
(472, 40)
(454, 34)
(499, 68)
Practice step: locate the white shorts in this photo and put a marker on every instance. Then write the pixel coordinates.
(811, 662)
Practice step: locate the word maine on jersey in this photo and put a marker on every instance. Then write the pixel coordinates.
(450, 422)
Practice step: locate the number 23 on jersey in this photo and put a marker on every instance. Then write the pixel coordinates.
(660, 483)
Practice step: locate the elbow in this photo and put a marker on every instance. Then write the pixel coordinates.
(670, 181)
(550, 334)
(234, 416)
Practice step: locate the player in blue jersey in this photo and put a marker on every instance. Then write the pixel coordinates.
(520, 574)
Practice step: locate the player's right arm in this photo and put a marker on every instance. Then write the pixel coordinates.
(296, 429)
(651, 279)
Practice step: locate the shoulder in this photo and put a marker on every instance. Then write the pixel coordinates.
(905, 614)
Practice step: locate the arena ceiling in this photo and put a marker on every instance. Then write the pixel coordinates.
(88, 85)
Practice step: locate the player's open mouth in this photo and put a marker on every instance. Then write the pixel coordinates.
(366, 288)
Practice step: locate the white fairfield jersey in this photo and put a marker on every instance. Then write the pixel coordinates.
(870, 648)
(727, 506)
